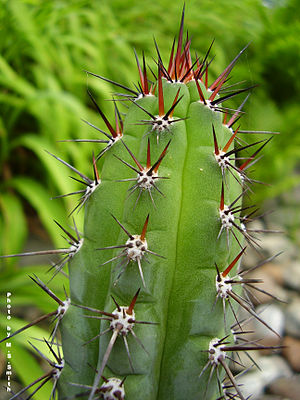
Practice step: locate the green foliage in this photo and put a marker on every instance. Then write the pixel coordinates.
(278, 58)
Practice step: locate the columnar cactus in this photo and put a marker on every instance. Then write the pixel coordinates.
(151, 299)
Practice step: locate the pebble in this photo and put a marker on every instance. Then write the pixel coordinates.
(287, 387)
(293, 318)
(271, 276)
(285, 212)
(273, 243)
(291, 275)
(273, 315)
(253, 383)
(250, 259)
(245, 360)
(274, 270)
(292, 352)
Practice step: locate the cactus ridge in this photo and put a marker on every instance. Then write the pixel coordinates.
(196, 229)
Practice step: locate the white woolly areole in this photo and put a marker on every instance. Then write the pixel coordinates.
(136, 247)
(215, 352)
(75, 247)
(141, 95)
(222, 286)
(123, 319)
(112, 141)
(112, 389)
(221, 159)
(90, 189)
(59, 368)
(145, 181)
(160, 124)
(63, 308)
(227, 218)
(208, 103)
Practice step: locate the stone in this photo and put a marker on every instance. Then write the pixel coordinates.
(293, 318)
(291, 275)
(274, 242)
(271, 276)
(243, 357)
(292, 352)
(250, 258)
(275, 270)
(273, 315)
(287, 387)
(254, 383)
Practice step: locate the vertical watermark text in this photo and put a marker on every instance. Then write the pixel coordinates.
(8, 343)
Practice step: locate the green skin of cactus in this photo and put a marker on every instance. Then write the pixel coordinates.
(180, 289)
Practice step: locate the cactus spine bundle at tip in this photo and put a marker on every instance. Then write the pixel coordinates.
(150, 295)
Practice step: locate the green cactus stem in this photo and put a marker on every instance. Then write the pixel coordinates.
(178, 120)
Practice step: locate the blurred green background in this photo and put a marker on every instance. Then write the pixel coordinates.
(45, 48)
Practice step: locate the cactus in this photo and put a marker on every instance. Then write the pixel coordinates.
(151, 299)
